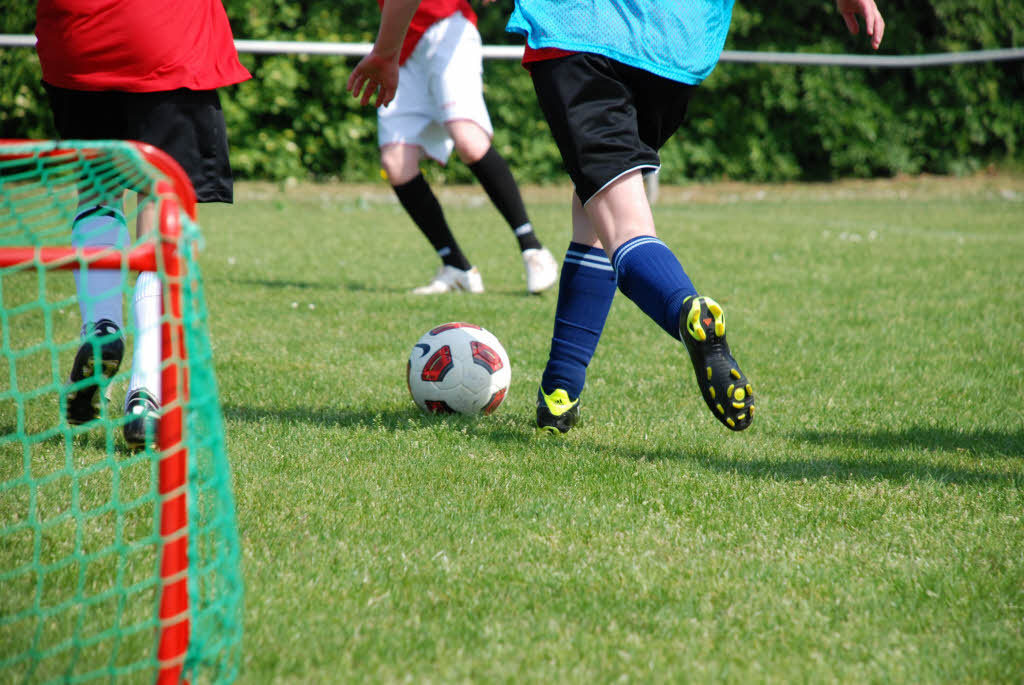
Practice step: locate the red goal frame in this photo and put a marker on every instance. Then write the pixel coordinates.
(175, 194)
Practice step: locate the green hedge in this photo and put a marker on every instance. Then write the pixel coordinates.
(754, 122)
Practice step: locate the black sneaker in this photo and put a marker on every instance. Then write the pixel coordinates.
(724, 387)
(556, 413)
(101, 352)
(143, 412)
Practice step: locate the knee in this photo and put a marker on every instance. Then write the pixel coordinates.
(399, 165)
(471, 141)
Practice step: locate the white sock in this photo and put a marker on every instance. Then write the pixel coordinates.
(100, 290)
(146, 357)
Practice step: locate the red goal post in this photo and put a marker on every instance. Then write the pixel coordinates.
(24, 168)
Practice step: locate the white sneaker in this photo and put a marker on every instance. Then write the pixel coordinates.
(449, 279)
(541, 270)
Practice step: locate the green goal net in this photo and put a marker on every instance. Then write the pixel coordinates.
(117, 564)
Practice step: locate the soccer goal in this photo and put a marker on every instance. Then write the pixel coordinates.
(116, 564)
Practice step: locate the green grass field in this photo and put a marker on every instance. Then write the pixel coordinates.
(867, 528)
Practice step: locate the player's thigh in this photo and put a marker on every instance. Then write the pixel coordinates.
(471, 141)
(401, 162)
(88, 115)
(188, 125)
(457, 74)
(661, 106)
(92, 115)
(412, 117)
(591, 111)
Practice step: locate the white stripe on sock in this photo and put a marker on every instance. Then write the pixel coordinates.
(601, 265)
(633, 244)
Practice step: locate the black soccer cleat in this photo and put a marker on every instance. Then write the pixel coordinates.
(102, 348)
(142, 411)
(556, 413)
(724, 387)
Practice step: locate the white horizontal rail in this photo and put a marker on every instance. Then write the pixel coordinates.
(874, 61)
(515, 52)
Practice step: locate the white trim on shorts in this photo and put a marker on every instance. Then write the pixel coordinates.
(440, 82)
(638, 167)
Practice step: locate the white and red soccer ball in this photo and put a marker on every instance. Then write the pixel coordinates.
(458, 368)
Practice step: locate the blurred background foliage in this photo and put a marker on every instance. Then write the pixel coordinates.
(750, 122)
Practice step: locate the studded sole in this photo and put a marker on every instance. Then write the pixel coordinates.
(725, 388)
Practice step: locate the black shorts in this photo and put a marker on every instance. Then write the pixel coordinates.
(186, 124)
(607, 118)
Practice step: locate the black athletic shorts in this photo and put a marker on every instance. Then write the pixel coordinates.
(607, 118)
(186, 124)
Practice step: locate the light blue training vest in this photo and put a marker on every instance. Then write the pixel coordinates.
(677, 39)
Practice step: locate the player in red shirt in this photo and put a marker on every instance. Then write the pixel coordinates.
(439, 108)
(146, 71)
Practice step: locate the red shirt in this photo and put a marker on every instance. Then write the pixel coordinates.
(429, 13)
(531, 55)
(136, 45)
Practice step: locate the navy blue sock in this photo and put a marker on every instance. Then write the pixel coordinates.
(585, 291)
(651, 276)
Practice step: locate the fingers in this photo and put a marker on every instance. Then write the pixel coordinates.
(875, 26)
(851, 22)
(363, 91)
(357, 79)
(371, 88)
(363, 87)
(355, 83)
(385, 96)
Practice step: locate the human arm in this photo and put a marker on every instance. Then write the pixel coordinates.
(873, 23)
(378, 71)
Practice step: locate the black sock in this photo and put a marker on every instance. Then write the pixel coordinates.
(420, 202)
(494, 175)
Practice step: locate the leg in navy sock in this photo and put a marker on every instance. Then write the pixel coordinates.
(650, 275)
(585, 291)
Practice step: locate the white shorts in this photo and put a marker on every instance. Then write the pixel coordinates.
(441, 81)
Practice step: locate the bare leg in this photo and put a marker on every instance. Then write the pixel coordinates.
(471, 141)
(620, 212)
(401, 162)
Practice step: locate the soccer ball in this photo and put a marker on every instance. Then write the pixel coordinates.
(458, 368)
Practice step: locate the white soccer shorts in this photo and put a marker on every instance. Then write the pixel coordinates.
(441, 81)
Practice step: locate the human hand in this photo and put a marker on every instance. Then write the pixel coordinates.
(374, 74)
(873, 23)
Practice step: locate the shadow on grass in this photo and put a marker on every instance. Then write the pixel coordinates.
(868, 469)
(349, 286)
(388, 418)
(284, 283)
(359, 287)
(89, 436)
(982, 443)
(905, 455)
